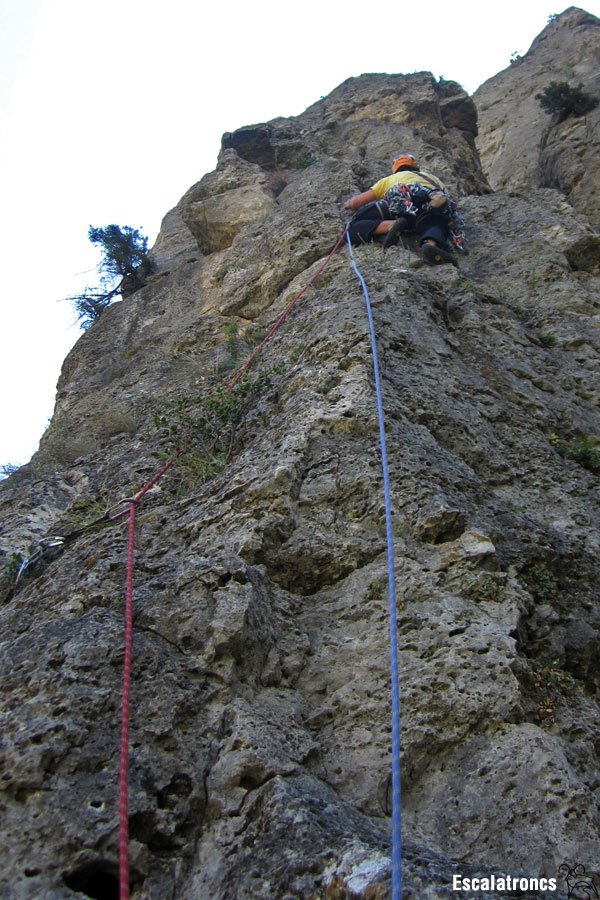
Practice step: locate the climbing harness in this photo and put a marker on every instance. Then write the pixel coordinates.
(416, 200)
(396, 790)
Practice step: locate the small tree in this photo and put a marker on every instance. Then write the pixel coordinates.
(90, 305)
(124, 250)
(8, 469)
(560, 99)
(124, 261)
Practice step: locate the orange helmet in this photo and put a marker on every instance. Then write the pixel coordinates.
(405, 159)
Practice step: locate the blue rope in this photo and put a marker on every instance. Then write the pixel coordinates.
(396, 792)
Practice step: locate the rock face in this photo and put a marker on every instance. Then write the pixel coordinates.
(522, 148)
(260, 734)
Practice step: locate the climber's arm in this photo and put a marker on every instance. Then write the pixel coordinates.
(360, 200)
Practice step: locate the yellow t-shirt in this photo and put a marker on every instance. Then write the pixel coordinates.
(381, 187)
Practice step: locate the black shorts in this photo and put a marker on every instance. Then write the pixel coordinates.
(365, 220)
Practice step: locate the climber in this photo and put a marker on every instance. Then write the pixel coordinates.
(408, 200)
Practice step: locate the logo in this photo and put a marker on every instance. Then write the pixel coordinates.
(579, 885)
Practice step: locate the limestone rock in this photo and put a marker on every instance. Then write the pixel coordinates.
(235, 195)
(260, 732)
(523, 148)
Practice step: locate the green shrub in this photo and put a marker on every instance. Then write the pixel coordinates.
(376, 592)
(208, 427)
(83, 511)
(12, 566)
(233, 344)
(546, 338)
(255, 335)
(583, 450)
(304, 159)
(488, 588)
(562, 100)
(542, 583)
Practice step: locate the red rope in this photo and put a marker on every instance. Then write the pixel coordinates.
(156, 478)
(124, 760)
(125, 702)
(283, 316)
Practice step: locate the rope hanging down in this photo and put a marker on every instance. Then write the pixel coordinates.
(132, 503)
(396, 791)
(125, 701)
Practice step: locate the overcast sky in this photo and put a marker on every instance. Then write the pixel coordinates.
(110, 111)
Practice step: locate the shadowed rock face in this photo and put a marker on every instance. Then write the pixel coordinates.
(521, 146)
(260, 734)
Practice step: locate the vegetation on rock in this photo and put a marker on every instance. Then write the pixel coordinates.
(124, 261)
(583, 450)
(562, 100)
(208, 426)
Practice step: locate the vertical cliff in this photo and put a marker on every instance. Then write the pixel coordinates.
(260, 735)
(523, 148)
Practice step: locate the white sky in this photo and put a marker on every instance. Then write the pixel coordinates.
(111, 110)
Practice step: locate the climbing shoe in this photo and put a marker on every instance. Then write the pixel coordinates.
(437, 256)
(392, 237)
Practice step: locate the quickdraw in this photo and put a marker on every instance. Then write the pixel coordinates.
(43, 547)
